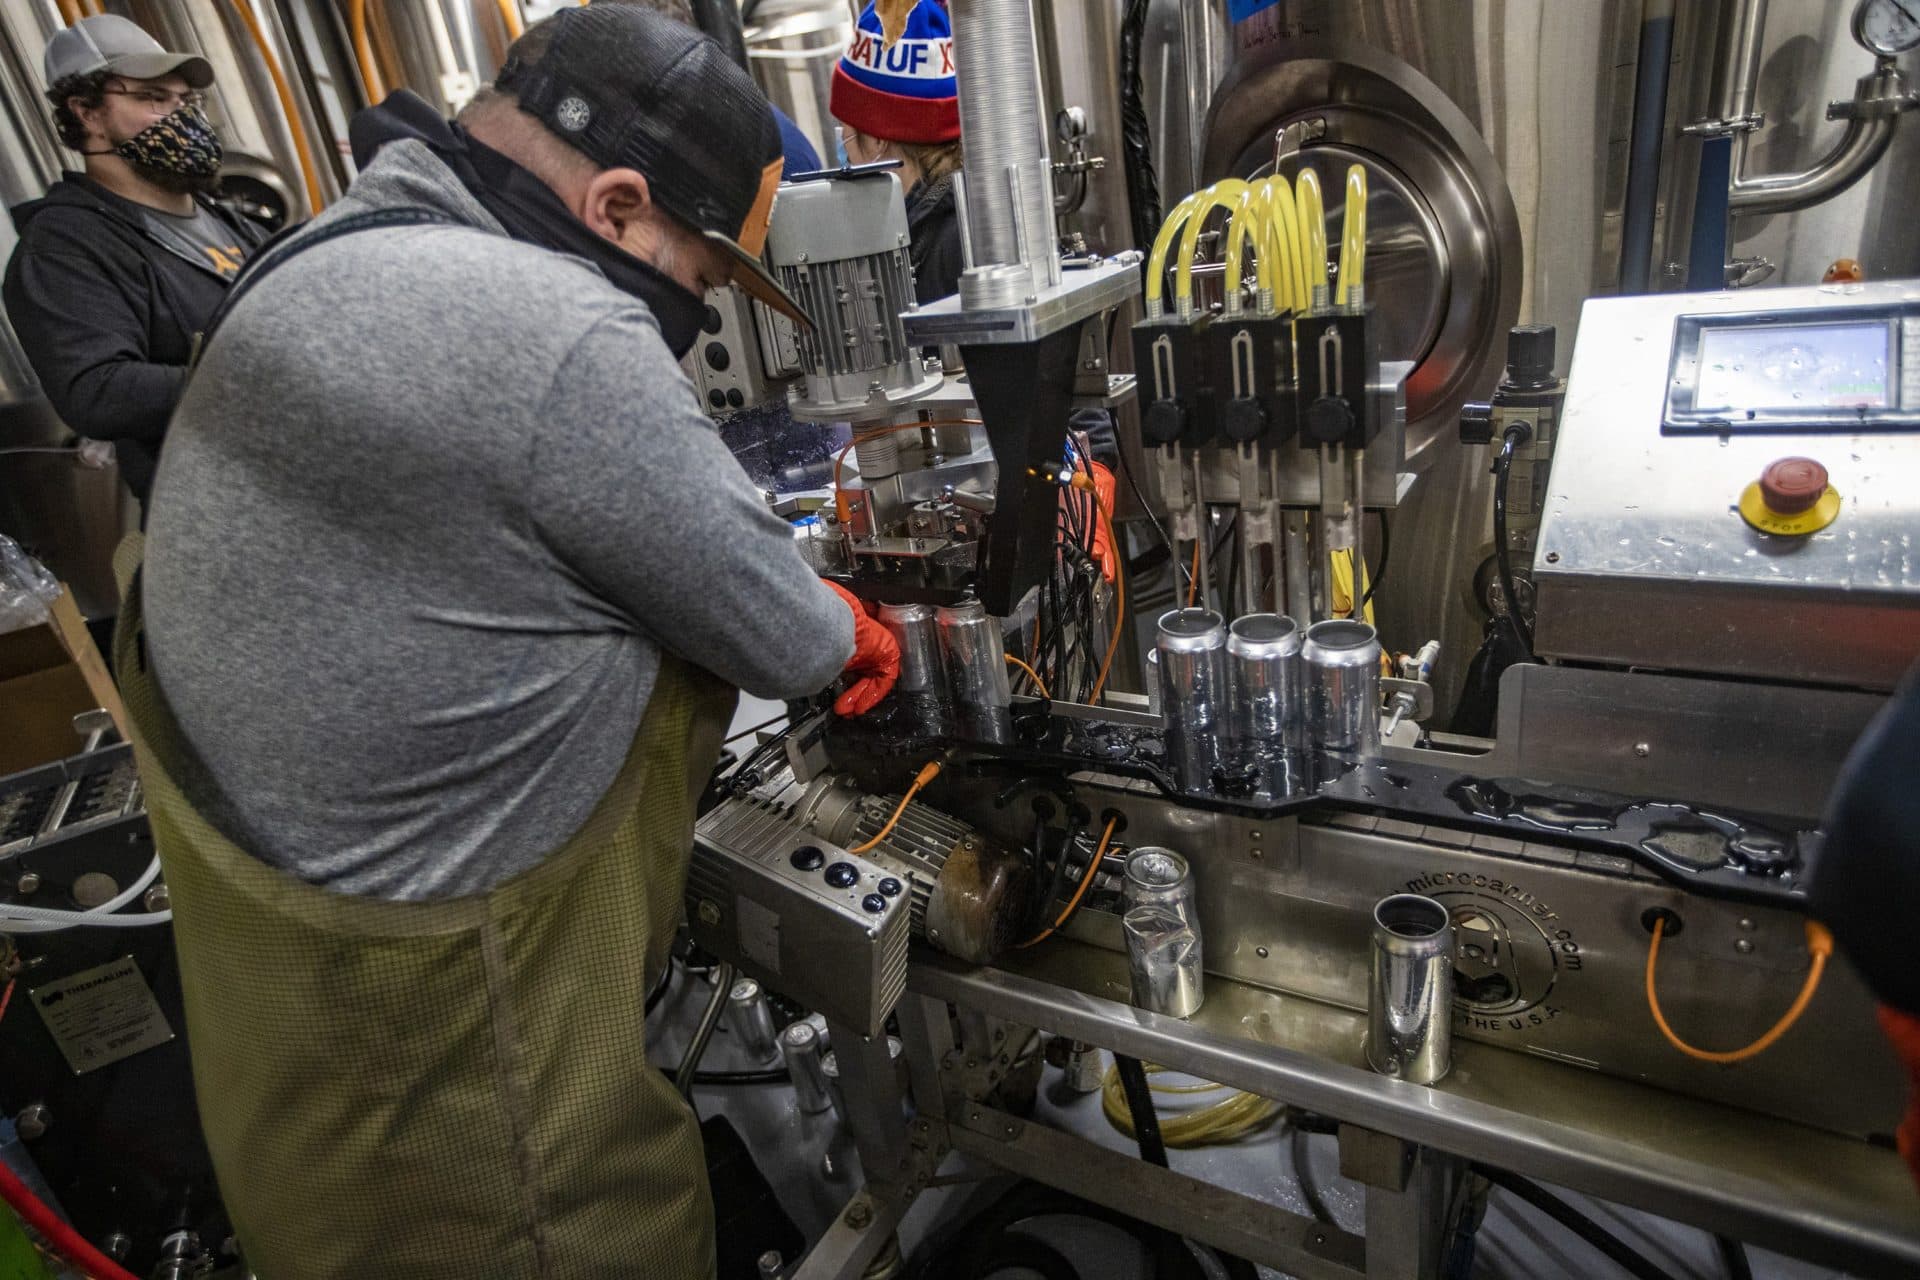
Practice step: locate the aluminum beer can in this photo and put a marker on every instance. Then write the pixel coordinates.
(1410, 989)
(1342, 658)
(1263, 673)
(912, 628)
(1162, 926)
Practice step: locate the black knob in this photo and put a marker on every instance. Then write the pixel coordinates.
(716, 398)
(1163, 422)
(734, 398)
(1243, 420)
(718, 356)
(1329, 420)
(713, 323)
(842, 875)
(891, 887)
(806, 858)
(1530, 355)
(874, 903)
(1476, 423)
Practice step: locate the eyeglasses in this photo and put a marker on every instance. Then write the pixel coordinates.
(162, 99)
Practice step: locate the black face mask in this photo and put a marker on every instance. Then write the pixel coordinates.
(530, 211)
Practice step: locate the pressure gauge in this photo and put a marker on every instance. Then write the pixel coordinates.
(1887, 27)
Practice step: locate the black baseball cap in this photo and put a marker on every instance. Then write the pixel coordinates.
(632, 88)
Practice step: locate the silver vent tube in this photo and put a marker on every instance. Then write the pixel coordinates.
(1410, 989)
(1003, 116)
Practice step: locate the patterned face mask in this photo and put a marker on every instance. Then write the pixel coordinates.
(183, 143)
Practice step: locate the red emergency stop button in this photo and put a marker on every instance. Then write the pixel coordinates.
(1791, 499)
(1792, 485)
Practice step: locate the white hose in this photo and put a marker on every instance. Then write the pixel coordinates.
(20, 919)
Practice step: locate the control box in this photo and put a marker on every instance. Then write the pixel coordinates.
(1733, 488)
(804, 916)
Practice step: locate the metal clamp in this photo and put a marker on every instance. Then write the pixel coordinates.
(1717, 128)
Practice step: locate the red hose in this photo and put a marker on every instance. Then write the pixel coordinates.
(51, 1227)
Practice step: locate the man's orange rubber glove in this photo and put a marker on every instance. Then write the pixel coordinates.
(1084, 505)
(875, 664)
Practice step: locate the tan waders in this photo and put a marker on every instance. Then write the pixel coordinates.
(451, 1090)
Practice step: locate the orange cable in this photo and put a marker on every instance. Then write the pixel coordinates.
(1819, 945)
(1086, 882)
(510, 16)
(363, 53)
(927, 773)
(839, 498)
(69, 11)
(1119, 583)
(1193, 575)
(280, 87)
(1038, 683)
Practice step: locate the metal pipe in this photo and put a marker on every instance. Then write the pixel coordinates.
(1003, 119)
(703, 1033)
(1740, 49)
(1643, 152)
(1859, 149)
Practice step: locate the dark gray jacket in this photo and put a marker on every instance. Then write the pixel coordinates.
(107, 314)
(432, 506)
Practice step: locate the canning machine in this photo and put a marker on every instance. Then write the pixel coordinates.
(1566, 947)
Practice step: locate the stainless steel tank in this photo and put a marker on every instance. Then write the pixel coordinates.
(793, 47)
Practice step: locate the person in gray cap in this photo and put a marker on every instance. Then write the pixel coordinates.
(120, 266)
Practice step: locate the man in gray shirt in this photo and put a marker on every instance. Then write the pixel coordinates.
(443, 562)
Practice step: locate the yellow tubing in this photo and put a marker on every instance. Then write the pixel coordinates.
(1284, 232)
(1216, 196)
(296, 129)
(1353, 235)
(510, 17)
(1163, 245)
(1250, 219)
(1313, 229)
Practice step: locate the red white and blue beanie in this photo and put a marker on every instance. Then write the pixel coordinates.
(906, 93)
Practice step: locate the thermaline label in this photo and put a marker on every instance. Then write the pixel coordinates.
(101, 1015)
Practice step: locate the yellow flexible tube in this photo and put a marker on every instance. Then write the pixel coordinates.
(1217, 196)
(363, 52)
(1313, 229)
(510, 16)
(1163, 245)
(295, 129)
(1284, 229)
(1229, 1120)
(1250, 221)
(1353, 235)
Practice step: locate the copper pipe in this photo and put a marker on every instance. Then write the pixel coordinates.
(69, 11)
(295, 126)
(363, 52)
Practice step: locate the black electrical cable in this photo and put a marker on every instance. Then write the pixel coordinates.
(773, 1075)
(1627, 1258)
(1146, 1121)
(1502, 468)
(1143, 188)
(1173, 552)
(659, 991)
(1734, 1254)
(1379, 574)
(764, 724)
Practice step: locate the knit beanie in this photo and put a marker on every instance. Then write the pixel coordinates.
(906, 93)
